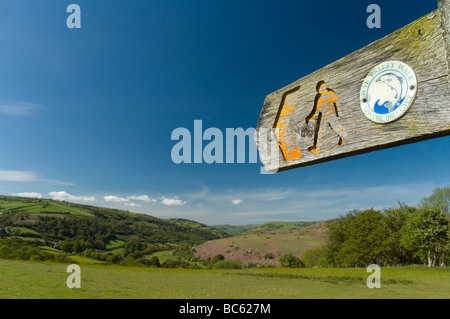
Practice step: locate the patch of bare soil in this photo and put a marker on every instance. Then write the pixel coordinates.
(265, 248)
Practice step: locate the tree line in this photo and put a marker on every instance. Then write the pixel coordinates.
(397, 235)
(17, 248)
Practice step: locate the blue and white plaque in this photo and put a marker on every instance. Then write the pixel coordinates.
(388, 91)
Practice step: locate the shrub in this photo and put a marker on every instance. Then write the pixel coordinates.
(227, 264)
(154, 261)
(269, 256)
(217, 258)
(315, 257)
(290, 261)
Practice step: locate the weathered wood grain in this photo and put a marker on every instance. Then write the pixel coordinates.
(444, 9)
(421, 45)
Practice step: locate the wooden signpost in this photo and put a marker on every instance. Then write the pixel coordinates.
(394, 91)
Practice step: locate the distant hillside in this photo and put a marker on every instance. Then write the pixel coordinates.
(43, 207)
(233, 230)
(278, 226)
(37, 229)
(254, 228)
(54, 220)
(199, 227)
(101, 233)
(265, 247)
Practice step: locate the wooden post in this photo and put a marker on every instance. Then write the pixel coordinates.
(444, 12)
(320, 117)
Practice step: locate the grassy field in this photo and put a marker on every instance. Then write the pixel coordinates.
(164, 255)
(39, 206)
(37, 280)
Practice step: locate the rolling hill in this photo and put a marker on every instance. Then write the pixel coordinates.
(265, 243)
(272, 226)
(103, 234)
(53, 220)
(234, 230)
(46, 207)
(91, 234)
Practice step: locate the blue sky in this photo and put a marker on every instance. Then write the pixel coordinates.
(86, 115)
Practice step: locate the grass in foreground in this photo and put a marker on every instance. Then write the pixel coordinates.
(35, 280)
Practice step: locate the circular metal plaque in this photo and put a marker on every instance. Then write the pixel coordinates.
(388, 91)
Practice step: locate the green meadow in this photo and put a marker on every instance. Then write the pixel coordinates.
(40, 206)
(36, 280)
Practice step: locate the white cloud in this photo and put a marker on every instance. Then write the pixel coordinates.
(58, 183)
(24, 176)
(64, 196)
(115, 199)
(19, 109)
(28, 194)
(172, 201)
(130, 201)
(236, 201)
(143, 198)
(17, 176)
(132, 205)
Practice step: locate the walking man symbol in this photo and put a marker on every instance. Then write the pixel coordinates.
(326, 114)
